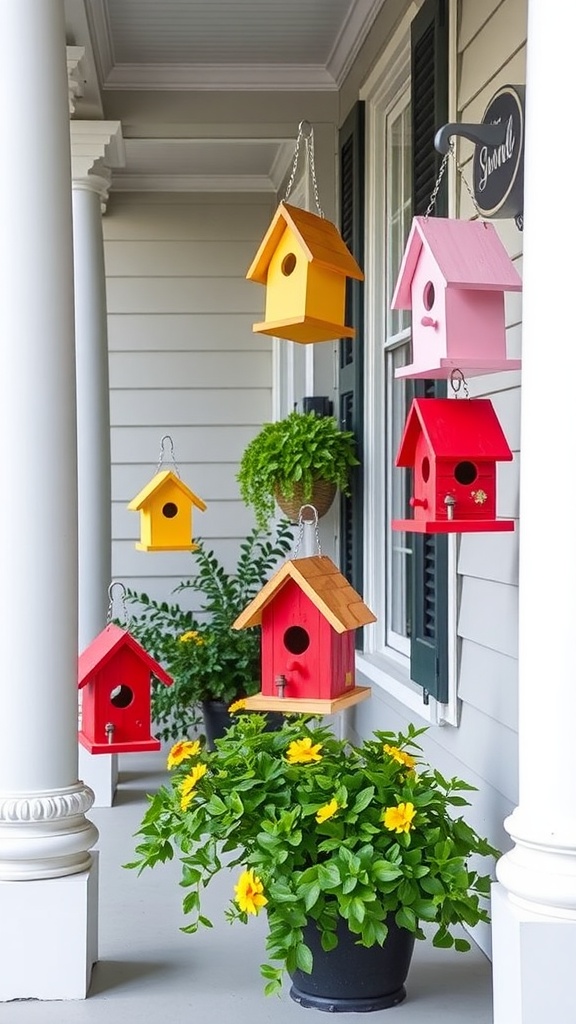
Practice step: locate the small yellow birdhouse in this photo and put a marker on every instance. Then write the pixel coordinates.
(304, 264)
(165, 507)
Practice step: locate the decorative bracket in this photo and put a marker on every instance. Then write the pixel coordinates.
(498, 164)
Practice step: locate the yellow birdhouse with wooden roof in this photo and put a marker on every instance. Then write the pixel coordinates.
(308, 613)
(304, 263)
(165, 506)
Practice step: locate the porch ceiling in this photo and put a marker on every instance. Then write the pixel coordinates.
(208, 46)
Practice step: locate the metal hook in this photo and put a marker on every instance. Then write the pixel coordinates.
(457, 381)
(167, 439)
(115, 583)
(302, 522)
(305, 129)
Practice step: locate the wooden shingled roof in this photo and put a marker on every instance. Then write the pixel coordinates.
(158, 481)
(326, 587)
(318, 237)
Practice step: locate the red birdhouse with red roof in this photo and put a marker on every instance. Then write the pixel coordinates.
(453, 277)
(115, 676)
(453, 446)
(309, 614)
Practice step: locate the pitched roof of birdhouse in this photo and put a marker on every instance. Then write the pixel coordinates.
(468, 254)
(106, 645)
(451, 432)
(156, 483)
(326, 587)
(318, 238)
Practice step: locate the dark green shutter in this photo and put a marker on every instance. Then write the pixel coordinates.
(351, 350)
(429, 637)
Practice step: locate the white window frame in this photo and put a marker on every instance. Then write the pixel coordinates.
(381, 664)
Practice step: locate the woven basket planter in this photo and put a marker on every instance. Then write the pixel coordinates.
(323, 494)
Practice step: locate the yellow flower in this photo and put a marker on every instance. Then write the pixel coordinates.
(304, 751)
(181, 751)
(327, 811)
(399, 819)
(237, 705)
(191, 636)
(188, 785)
(400, 755)
(250, 893)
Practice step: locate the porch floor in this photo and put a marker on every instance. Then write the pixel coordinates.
(150, 972)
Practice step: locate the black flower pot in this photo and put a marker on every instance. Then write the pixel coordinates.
(217, 719)
(352, 978)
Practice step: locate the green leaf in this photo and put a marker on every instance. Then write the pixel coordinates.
(461, 945)
(328, 876)
(328, 941)
(406, 918)
(304, 959)
(363, 799)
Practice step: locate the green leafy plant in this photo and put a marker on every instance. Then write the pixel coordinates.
(323, 830)
(296, 450)
(207, 659)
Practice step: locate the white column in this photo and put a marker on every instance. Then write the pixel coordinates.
(92, 390)
(534, 906)
(46, 871)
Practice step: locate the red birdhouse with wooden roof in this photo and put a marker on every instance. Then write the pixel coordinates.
(453, 277)
(453, 447)
(115, 676)
(304, 263)
(165, 506)
(309, 614)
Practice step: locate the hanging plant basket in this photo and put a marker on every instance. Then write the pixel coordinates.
(323, 494)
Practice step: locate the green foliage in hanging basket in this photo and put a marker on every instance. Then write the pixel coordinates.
(299, 449)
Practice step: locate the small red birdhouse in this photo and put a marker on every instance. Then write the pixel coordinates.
(308, 613)
(453, 277)
(115, 673)
(453, 446)
(165, 507)
(304, 264)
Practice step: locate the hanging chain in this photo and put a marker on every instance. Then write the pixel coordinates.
(457, 381)
(450, 152)
(123, 616)
(167, 439)
(303, 522)
(306, 133)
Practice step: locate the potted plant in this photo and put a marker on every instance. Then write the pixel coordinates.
(344, 848)
(211, 664)
(301, 459)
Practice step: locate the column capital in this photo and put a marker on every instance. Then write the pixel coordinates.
(74, 55)
(95, 146)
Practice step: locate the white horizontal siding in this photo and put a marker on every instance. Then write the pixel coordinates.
(489, 682)
(218, 332)
(184, 362)
(489, 615)
(491, 49)
(189, 406)
(191, 369)
(490, 556)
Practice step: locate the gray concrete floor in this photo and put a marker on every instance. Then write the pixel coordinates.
(149, 972)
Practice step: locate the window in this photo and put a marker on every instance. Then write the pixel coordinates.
(405, 573)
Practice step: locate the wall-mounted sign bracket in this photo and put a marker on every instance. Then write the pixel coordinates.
(498, 164)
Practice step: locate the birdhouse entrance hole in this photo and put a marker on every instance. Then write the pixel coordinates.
(429, 295)
(169, 510)
(465, 472)
(296, 640)
(425, 469)
(121, 696)
(289, 264)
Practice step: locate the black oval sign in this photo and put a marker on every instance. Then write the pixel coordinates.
(498, 171)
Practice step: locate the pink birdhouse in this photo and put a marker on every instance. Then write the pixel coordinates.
(452, 447)
(308, 613)
(453, 277)
(115, 674)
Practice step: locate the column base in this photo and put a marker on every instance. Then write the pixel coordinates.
(100, 772)
(51, 927)
(533, 964)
